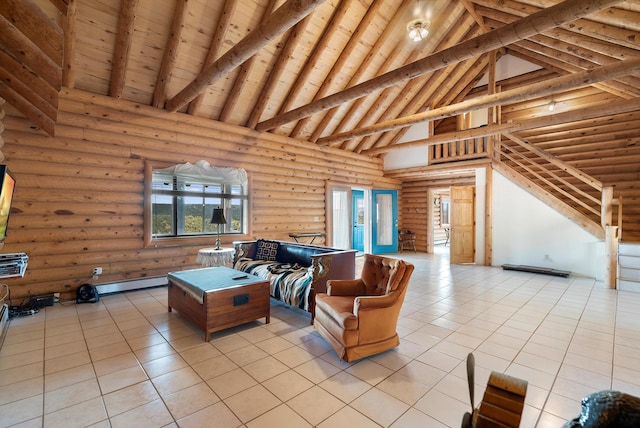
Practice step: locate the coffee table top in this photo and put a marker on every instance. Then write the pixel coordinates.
(200, 281)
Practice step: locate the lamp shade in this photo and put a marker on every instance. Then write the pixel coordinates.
(218, 216)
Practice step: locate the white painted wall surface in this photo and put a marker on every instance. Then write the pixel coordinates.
(409, 156)
(528, 232)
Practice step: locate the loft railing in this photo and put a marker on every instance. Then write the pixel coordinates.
(472, 148)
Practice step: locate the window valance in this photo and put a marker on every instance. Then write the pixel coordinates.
(203, 170)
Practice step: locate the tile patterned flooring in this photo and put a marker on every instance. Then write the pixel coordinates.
(126, 361)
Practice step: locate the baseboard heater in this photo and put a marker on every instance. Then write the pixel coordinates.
(535, 269)
(131, 284)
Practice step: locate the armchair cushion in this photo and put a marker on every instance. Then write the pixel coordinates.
(381, 275)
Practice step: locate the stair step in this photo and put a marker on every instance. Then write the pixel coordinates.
(632, 262)
(626, 285)
(629, 274)
(629, 249)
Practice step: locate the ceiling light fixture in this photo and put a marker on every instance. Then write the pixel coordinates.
(552, 105)
(417, 30)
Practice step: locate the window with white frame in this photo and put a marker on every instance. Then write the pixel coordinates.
(183, 198)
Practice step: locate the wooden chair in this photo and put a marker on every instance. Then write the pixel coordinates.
(358, 317)
(406, 240)
(502, 403)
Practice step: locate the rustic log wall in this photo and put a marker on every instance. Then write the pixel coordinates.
(79, 196)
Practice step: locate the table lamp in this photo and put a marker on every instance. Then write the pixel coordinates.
(218, 218)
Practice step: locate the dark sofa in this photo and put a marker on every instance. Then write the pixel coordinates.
(296, 271)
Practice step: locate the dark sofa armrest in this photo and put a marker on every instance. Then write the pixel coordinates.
(244, 249)
(332, 265)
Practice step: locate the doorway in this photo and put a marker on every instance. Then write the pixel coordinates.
(453, 223)
(362, 219)
(358, 215)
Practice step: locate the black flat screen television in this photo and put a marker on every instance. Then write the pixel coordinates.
(7, 186)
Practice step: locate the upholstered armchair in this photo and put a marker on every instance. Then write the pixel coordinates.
(358, 317)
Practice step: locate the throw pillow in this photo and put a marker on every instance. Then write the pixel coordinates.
(267, 250)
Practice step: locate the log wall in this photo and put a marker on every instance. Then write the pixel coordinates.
(79, 196)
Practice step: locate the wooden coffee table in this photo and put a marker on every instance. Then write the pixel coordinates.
(218, 297)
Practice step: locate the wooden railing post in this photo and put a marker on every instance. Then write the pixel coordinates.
(611, 255)
(610, 237)
(606, 215)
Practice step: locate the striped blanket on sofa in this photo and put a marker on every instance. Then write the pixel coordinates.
(290, 283)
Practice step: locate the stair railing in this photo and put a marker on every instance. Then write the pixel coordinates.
(563, 181)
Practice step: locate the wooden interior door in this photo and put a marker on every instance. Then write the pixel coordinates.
(462, 220)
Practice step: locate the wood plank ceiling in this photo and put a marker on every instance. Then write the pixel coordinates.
(329, 71)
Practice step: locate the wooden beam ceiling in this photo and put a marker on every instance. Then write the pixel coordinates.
(281, 20)
(562, 13)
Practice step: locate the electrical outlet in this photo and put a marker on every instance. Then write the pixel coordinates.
(97, 271)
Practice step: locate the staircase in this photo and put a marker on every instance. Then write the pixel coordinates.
(570, 191)
(629, 267)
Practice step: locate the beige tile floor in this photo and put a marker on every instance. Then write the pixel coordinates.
(126, 361)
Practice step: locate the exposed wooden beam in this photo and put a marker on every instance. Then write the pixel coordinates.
(346, 53)
(363, 67)
(292, 41)
(68, 60)
(459, 31)
(20, 73)
(170, 54)
(241, 78)
(320, 47)
(463, 77)
(36, 26)
(18, 46)
(572, 52)
(216, 45)
(29, 94)
(124, 38)
(554, 16)
(280, 21)
(62, 5)
(449, 82)
(550, 120)
(539, 89)
(622, 35)
(471, 8)
(27, 108)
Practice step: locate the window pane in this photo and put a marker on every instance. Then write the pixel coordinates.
(182, 205)
(162, 215)
(236, 219)
(384, 205)
(193, 215)
(213, 188)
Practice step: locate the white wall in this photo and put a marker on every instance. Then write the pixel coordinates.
(528, 232)
(409, 156)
